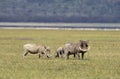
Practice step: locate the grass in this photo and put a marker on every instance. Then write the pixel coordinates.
(101, 62)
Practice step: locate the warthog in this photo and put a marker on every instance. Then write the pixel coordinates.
(59, 52)
(76, 48)
(36, 49)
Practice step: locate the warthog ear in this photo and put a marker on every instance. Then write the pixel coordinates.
(48, 48)
(80, 40)
(45, 47)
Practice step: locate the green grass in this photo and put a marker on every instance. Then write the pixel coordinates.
(101, 62)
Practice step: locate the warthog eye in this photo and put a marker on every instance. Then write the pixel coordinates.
(81, 45)
(86, 45)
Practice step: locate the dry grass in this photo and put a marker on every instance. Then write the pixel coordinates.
(101, 62)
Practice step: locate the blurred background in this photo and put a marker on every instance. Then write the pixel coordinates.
(73, 11)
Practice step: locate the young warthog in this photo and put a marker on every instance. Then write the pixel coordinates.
(59, 52)
(76, 48)
(36, 49)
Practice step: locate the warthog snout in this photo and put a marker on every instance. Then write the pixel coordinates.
(84, 50)
(48, 56)
(84, 46)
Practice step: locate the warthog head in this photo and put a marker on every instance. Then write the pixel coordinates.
(84, 46)
(47, 52)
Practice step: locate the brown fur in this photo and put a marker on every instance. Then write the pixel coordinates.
(36, 49)
(75, 49)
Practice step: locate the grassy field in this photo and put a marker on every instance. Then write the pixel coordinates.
(101, 62)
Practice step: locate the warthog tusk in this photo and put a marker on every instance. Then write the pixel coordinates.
(89, 48)
(84, 49)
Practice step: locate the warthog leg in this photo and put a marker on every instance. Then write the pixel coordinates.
(78, 55)
(39, 55)
(82, 55)
(75, 56)
(67, 56)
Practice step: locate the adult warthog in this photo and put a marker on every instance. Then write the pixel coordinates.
(59, 52)
(36, 49)
(75, 49)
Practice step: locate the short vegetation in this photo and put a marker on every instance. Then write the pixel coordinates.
(102, 61)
